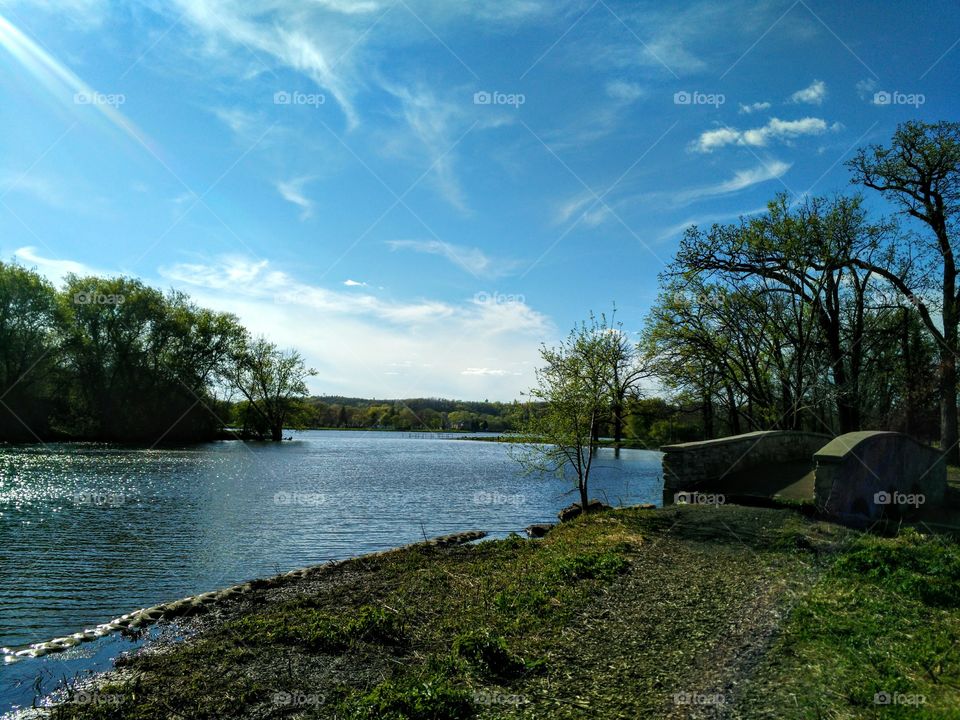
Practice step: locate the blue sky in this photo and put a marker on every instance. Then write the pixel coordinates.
(417, 193)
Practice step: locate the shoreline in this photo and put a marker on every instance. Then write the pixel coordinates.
(628, 612)
(195, 604)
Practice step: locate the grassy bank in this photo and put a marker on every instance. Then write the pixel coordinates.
(682, 612)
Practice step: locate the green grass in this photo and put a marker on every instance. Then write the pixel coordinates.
(611, 615)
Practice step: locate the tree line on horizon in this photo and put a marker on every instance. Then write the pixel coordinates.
(113, 359)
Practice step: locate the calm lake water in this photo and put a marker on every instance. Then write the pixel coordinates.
(89, 532)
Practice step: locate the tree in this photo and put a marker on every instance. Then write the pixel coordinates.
(623, 370)
(138, 365)
(571, 398)
(28, 353)
(270, 380)
(817, 256)
(920, 174)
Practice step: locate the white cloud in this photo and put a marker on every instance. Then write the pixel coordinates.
(866, 88)
(775, 130)
(354, 283)
(368, 346)
(813, 94)
(705, 220)
(591, 211)
(435, 126)
(292, 192)
(753, 107)
(56, 269)
(741, 180)
(471, 259)
(495, 372)
(625, 91)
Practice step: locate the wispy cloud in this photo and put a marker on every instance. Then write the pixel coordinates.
(775, 130)
(679, 228)
(813, 94)
(292, 192)
(866, 88)
(741, 180)
(354, 283)
(471, 259)
(55, 269)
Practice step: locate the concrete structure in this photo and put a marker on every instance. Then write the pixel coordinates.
(726, 461)
(870, 474)
(857, 477)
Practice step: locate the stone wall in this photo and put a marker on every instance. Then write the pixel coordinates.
(687, 465)
(870, 474)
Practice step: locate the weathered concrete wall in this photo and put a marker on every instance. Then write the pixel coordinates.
(687, 465)
(871, 473)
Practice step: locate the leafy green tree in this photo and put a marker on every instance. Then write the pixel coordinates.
(271, 381)
(572, 397)
(28, 352)
(920, 173)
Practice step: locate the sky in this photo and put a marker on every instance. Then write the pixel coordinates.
(416, 194)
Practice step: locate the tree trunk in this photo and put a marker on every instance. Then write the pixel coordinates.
(948, 366)
(617, 424)
(948, 406)
(584, 502)
(276, 433)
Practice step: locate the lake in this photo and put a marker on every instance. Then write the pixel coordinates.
(90, 531)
